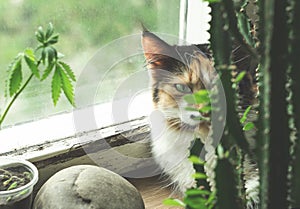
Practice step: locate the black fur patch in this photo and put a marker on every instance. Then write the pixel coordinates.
(155, 92)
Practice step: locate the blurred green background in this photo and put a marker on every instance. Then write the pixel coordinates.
(84, 27)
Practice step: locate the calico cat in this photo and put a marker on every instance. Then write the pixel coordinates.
(176, 71)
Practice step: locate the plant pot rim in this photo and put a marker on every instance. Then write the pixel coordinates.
(32, 168)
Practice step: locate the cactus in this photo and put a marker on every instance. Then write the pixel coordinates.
(221, 47)
(226, 184)
(224, 172)
(196, 149)
(295, 98)
(273, 122)
(235, 31)
(275, 48)
(265, 13)
(279, 128)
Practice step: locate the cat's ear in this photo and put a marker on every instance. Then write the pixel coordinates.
(205, 49)
(154, 48)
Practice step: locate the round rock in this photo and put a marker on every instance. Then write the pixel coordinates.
(87, 187)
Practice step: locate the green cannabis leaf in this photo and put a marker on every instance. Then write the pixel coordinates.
(51, 53)
(31, 62)
(62, 81)
(66, 84)
(46, 38)
(56, 86)
(50, 58)
(47, 71)
(16, 77)
(68, 70)
(50, 31)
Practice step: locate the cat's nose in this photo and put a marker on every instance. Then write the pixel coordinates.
(194, 116)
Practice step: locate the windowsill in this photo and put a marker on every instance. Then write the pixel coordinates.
(47, 149)
(52, 150)
(54, 134)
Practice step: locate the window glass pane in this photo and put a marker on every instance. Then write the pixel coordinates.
(84, 28)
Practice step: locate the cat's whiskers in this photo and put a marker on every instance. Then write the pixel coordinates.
(234, 50)
(240, 60)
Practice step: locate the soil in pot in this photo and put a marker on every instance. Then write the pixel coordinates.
(13, 178)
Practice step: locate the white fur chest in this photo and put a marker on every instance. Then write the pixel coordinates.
(170, 149)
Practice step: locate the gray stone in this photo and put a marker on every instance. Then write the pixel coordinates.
(87, 187)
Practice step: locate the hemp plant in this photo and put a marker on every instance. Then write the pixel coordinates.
(42, 62)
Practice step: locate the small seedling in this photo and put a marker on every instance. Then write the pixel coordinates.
(42, 62)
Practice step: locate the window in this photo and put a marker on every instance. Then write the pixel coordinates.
(101, 41)
(84, 27)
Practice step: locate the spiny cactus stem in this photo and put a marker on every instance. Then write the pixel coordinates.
(226, 185)
(279, 129)
(233, 28)
(264, 27)
(295, 98)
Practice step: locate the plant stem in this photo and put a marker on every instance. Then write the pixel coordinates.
(295, 77)
(279, 120)
(233, 28)
(263, 123)
(14, 98)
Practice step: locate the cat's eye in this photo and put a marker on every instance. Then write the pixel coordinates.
(183, 88)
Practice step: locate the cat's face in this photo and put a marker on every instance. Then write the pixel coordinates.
(177, 71)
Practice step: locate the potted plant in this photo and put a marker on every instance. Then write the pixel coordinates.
(18, 176)
(17, 179)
